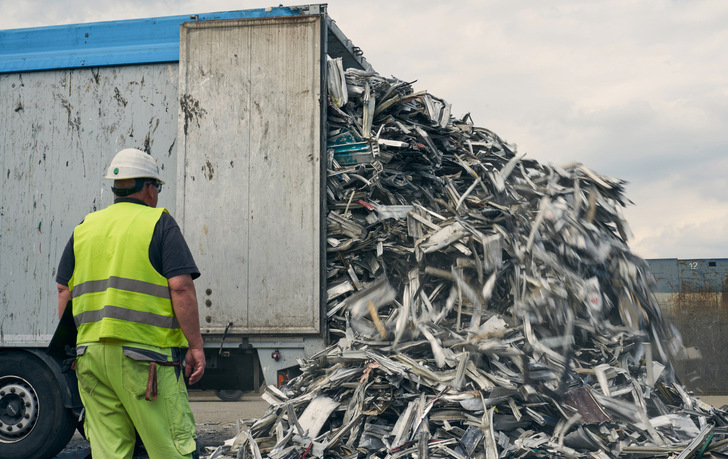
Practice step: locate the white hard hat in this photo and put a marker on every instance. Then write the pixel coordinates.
(132, 163)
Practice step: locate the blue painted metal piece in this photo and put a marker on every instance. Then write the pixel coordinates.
(349, 149)
(133, 41)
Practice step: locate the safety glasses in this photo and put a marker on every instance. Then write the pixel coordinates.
(157, 185)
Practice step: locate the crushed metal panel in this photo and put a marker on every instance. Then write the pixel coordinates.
(60, 130)
(580, 400)
(249, 134)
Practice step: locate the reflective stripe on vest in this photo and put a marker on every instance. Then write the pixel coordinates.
(115, 312)
(116, 291)
(131, 285)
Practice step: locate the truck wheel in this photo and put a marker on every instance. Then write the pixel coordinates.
(33, 421)
(229, 395)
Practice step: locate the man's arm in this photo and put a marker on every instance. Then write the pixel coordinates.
(64, 296)
(184, 303)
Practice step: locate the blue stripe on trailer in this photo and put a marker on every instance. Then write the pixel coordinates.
(133, 41)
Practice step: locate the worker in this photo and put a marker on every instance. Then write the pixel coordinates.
(129, 274)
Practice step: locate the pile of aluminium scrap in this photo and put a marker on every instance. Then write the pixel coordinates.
(481, 304)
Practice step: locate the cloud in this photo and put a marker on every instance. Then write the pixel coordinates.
(636, 90)
(671, 220)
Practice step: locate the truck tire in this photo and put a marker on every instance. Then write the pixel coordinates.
(34, 424)
(229, 395)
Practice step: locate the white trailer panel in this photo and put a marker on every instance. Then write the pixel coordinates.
(60, 130)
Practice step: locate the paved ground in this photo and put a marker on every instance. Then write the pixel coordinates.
(216, 422)
(717, 401)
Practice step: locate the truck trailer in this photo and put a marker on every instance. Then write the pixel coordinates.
(233, 107)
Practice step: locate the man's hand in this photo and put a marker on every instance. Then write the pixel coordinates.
(194, 360)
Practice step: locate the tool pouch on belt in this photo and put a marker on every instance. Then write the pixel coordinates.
(154, 359)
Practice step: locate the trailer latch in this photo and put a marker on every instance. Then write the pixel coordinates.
(224, 335)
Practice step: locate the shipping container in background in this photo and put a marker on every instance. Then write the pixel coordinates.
(693, 295)
(233, 107)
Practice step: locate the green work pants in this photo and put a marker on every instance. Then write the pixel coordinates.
(113, 388)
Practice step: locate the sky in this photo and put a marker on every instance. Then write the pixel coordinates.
(636, 90)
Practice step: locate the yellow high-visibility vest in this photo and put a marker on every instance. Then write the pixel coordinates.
(116, 291)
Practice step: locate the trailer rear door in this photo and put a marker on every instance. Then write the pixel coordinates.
(249, 171)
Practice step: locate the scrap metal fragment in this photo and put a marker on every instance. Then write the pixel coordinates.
(701, 441)
(580, 400)
(316, 414)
